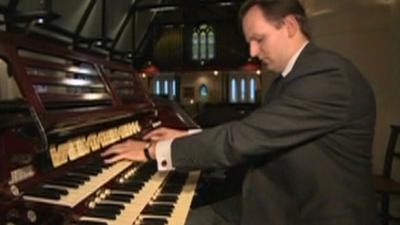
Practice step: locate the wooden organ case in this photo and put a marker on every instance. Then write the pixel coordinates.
(74, 105)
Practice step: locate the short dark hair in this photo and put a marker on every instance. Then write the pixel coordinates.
(276, 10)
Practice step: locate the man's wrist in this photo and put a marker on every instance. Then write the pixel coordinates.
(147, 151)
(152, 150)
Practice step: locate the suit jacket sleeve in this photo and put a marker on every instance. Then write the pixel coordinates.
(309, 106)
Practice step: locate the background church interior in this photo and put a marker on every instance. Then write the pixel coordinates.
(193, 51)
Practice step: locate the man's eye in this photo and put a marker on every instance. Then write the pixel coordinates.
(259, 40)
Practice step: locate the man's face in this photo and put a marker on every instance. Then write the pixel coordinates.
(268, 40)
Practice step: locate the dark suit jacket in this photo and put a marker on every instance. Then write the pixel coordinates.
(309, 147)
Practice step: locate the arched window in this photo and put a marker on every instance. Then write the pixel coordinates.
(203, 91)
(252, 90)
(203, 42)
(174, 88)
(242, 90)
(157, 87)
(233, 89)
(166, 85)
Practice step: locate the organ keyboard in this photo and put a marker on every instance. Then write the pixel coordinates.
(70, 193)
(74, 106)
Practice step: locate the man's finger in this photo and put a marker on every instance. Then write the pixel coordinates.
(112, 150)
(113, 159)
(154, 134)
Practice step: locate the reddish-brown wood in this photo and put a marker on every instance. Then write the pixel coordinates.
(78, 95)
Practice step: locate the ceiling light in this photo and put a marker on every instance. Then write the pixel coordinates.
(226, 3)
(40, 20)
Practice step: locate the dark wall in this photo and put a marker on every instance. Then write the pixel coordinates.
(173, 47)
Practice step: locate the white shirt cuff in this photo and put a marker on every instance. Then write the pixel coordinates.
(163, 152)
(163, 155)
(194, 131)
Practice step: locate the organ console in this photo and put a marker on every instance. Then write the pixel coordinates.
(74, 105)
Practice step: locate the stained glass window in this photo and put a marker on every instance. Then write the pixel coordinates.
(203, 91)
(211, 45)
(166, 86)
(203, 45)
(233, 89)
(252, 90)
(203, 42)
(157, 87)
(242, 90)
(174, 88)
(195, 46)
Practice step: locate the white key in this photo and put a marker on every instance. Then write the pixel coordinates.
(182, 206)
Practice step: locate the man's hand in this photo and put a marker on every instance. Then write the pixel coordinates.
(163, 133)
(133, 149)
(130, 150)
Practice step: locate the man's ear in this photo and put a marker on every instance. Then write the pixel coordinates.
(292, 25)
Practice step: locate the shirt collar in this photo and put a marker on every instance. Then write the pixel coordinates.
(293, 60)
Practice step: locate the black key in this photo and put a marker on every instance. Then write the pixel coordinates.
(88, 222)
(159, 206)
(122, 195)
(100, 214)
(93, 170)
(70, 180)
(166, 198)
(107, 209)
(122, 187)
(82, 176)
(76, 177)
(158, 209)
(173, 186)
(119, 197)
(133, 182)
(63, 183)
(153, 221)
(172, 190)
(57, 190)
(156, 213)
(177, 178)
(118, 206)
(43, 194)
(87, 172)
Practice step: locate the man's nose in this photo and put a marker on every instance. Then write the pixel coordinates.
(253, 49)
